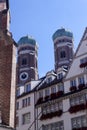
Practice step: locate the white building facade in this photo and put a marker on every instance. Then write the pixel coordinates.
(67, 111)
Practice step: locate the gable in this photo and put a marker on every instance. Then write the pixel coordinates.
(81, 53)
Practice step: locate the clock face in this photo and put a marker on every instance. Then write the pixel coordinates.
(24, 76)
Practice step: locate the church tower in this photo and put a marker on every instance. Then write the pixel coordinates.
(27, 61)
(7, 68)
(63, 48)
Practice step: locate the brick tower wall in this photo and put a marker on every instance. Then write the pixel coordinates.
(7, 81)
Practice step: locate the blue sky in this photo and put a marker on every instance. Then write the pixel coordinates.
(41, 18)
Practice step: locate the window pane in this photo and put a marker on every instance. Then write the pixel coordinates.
(24, 61)
(60, 105)
(46, 92)
(79, 122)
(40, 94)
(84, 121)
(26, 118)
(53, 89)
(74, 123)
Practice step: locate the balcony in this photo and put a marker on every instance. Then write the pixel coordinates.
(77, 108)
(51, 115)
(82, 128)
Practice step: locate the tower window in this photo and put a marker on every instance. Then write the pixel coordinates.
(62, 54)
(24, 61)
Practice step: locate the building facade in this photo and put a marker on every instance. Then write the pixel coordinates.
(25, 110)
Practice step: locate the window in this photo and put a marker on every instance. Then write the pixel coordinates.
(26, 102)
(79, 122)
(62, 54)
(52, 107)
(47, 92)
(54, 126)
(60, 105)
(81, 80)
(60, 75)
(49, 79)
(78, 100)
(18, 92)
(73, 83)
(40, 94)
(53, 89)
(60, 87)
(24, 61)
(27, 88)
(26, 118)
(84, 60)
(17, 105)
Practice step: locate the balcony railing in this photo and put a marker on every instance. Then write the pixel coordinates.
(81, 128)
(80, 87)
(51, 115)
(50, 97)
(76, 108)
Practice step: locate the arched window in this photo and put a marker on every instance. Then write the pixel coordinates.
(62, 54)
(24, 61)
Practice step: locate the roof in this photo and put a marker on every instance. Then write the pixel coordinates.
(26, 40)
(43, 85)
(62, 32)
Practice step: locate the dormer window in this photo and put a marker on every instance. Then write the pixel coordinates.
(60, 75)
(27, 88)
(49, 79)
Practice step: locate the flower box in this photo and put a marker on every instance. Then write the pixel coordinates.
(81, 128)
(73, 88)
(51, 115)
(81, 86)
(53, 96)
(59, 113)
(76, 108)
(83, 65)
(60, 93)
(47, 98)
(40, 100)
